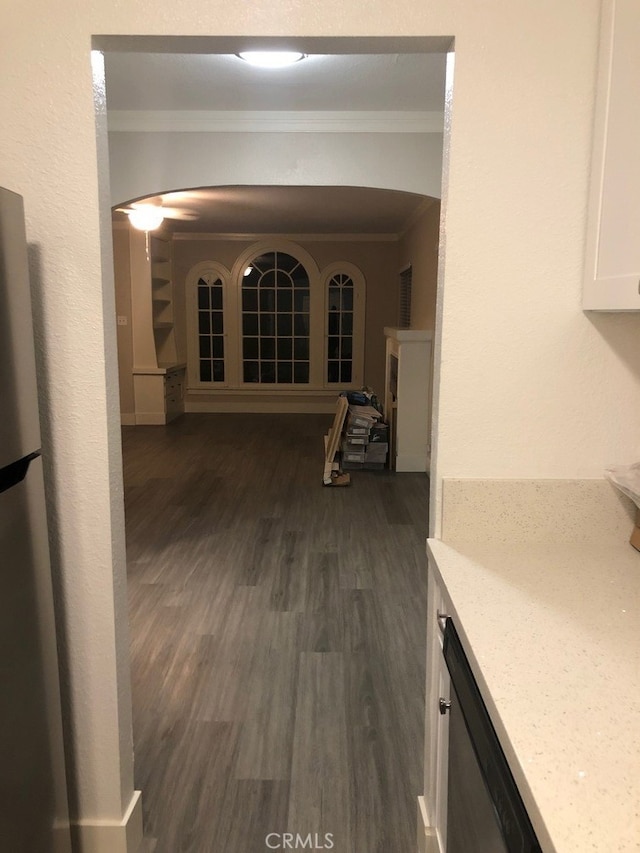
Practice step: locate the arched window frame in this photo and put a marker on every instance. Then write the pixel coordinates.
(359, 307)
(315, 313)
(193, 344)
(319, 281)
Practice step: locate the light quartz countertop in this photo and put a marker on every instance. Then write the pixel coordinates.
(552, 633)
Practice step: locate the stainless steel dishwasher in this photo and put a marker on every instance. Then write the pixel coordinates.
(485, 813)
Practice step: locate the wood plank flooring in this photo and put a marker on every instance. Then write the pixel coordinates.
(277, 638)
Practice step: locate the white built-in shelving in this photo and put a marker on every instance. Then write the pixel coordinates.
(158, 376)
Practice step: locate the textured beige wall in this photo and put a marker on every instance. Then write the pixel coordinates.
(419, 247)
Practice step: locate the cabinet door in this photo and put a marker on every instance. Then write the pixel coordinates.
(437, 724)
(612, 270)
(442, 755)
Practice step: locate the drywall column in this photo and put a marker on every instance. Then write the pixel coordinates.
(69, 231)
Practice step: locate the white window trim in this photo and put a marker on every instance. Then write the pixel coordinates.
(359, 308)
(315, 309)
(193, 344)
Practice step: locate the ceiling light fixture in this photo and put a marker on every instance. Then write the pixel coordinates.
(271, 58)
(146, 217)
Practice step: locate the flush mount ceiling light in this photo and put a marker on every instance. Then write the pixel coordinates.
(271, 58)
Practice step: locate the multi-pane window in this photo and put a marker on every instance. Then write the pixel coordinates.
(275, 323)
(340, 329)
(275, 320)
(210, 328)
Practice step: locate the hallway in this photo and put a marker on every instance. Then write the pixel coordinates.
(277, 636)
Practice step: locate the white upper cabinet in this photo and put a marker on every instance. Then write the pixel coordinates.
(612, 269)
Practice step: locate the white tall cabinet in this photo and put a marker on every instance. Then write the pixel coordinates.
(407, 406)
(158, 375)
(612, 265)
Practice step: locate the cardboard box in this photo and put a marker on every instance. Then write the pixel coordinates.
(356, 430)
(352, 466)
(353, 456)
(363, 416)
(355, 442)
(635, 534)
(376, 452)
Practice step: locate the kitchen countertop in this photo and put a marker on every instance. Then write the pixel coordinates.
(552, 633)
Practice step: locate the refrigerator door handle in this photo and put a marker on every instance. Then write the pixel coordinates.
(15, 473)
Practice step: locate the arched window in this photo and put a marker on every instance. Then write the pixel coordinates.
(340, 329)
(208, 325)
(344, 325)
(275, 323)
(210, 328)
(275, 320)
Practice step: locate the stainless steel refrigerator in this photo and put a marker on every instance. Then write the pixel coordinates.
(33, 793)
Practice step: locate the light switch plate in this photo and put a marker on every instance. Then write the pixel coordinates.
(122, 321)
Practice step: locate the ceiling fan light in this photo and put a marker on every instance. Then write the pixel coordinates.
(146, 218)
(271, 58)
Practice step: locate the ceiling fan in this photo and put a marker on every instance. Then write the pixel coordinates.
(149, 214)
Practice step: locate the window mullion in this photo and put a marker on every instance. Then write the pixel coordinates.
(233, 319)
(317, 335)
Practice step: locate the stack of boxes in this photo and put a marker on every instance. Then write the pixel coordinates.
(365, 441)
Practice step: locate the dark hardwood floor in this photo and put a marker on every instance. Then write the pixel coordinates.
(277, 638)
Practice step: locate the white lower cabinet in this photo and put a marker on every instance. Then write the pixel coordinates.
(159, 394)
(436, 727)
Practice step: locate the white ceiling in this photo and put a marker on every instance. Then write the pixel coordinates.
(411, 83)
(292, 210)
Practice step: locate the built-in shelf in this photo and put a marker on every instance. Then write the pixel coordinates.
(160, 370)
(158, 377)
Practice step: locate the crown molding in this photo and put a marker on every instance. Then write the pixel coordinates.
(299, 238)
(271, 121)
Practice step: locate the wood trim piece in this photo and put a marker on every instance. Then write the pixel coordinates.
(335, 432)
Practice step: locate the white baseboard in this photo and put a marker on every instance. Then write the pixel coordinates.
(422, 826)
(127, 418)
(111, 836)
(406, 462)
(150, 419)
(427, 838)
(257, 407)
